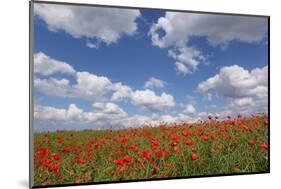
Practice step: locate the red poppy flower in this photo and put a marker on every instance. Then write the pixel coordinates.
(159, 154)
(156, 170)
(121, 170)
(264, 146)
(47, 162)
(145, 154)
(59, 140)
(266, 121)
(193, 150)
(66, 149)
(176, 149)
(210, 116)
(188, 142)
(168, 165)
(119, 161)
(251, 142)
(193, 156)
(124, 139)
(206, 137)
(56, 157)
(54, 168)
(80, 160)
(127, 159)
(239, 116)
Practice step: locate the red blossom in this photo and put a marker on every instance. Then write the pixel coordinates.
(193, 150)
(146, 154)
(155, 170)
(56, 157)
(251, 142)
(264, 146)
(193, 156)
(127, 159)
(176, 149)
(66, 149)
(160, 154)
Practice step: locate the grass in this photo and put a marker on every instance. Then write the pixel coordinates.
(228, 146)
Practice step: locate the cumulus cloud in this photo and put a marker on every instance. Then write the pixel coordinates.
(58, 114)
(154, 83)
(87, 86)
(54, 87)
(149, 100)
(243, 101)
(121, 92)
(103, 114)
(46, 65)
(93, 87)
(108, 108)
(90, 85)
(219, 29)
(103, 24)
(187, 59)
(189, 109)
(245, 91)
(97, 87)
(236, 82)
(91, 45)
(174, 31)
(182, 69)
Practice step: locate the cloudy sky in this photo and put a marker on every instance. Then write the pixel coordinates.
(114, 68)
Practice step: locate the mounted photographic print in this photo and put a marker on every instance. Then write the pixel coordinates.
(121, 94)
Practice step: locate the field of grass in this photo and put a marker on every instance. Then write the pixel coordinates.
(233, 145)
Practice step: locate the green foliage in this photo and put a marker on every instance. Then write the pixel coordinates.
(221, 147)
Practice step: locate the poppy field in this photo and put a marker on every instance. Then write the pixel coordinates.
(216, 146)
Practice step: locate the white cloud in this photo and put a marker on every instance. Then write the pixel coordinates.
(202, 114)
(245, 91)
(243, 101)
(58, 114)
(219, 30)
(103, 24)
(236, 82)
(91, 45)
(93, 87)
(182, 69)
(90, 85)
(108, 108)
(149, 100)
(45, 65)
(121, 92)
(103, 115)
(189, 109)
(187, 58)
(154, 83)
(53, 87)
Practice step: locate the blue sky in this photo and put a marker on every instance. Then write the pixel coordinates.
(148, 45)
